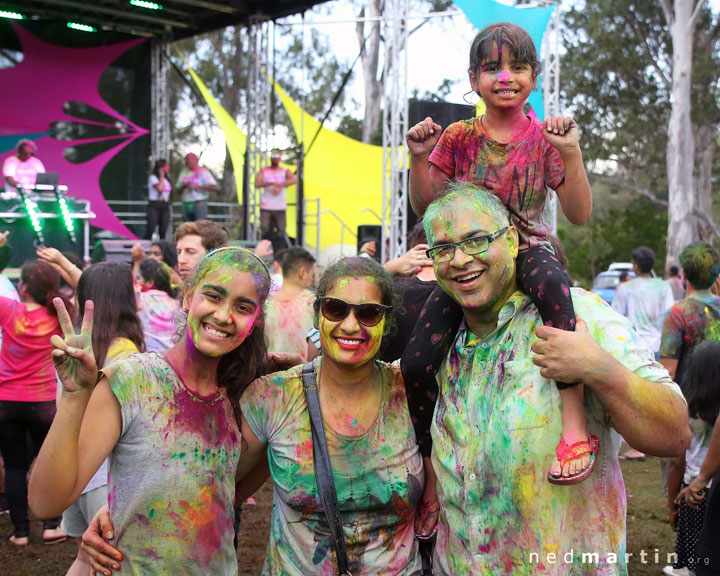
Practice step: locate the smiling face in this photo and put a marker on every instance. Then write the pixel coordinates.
(222, 310)
(502, 82)
(348, 342)
(480, 284)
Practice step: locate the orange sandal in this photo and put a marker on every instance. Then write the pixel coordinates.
(566, 453)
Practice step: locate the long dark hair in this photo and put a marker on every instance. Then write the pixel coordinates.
(157, 274)
(249, 360)
(701, 384)
(169, 252)
(110, 286)
(42, 283)
(159, 164)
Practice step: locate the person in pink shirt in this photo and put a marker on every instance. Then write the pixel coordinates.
(21, 169)
(274, 179)
(28, 387)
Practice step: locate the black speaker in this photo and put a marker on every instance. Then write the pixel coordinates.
(116, 250)
(444, 113)
(370, 233)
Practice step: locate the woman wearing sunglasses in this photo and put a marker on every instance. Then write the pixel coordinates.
(376, 465)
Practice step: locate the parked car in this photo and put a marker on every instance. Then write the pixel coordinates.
(607, 282)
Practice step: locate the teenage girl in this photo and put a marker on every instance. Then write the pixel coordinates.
(701, 387)
(168, 421)
(118, 334)
(517, 158)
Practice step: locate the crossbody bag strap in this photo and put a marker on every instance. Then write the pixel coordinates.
(323, 470)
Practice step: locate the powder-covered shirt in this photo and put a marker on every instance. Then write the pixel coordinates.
(517, 172)
(172, 473)
(645, 301)
(119, 348)
(690, 322)
(495, 428)
(287, 323)
(27, 373)
(190, 180)
(24, 172)
(378, 477)
(268, 200)
(156, 309)
(153, 194)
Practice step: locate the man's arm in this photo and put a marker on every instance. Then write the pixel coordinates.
(650, 417)
(260, 179)
(290, 178)
(671, 365)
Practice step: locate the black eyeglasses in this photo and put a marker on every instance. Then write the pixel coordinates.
(336, 310)
(470, 246)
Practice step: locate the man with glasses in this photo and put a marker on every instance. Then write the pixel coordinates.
(498, 413)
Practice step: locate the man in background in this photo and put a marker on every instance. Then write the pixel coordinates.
(194, 240)
(22, 168)
(194, 183)
(274, 180)
(289, 312)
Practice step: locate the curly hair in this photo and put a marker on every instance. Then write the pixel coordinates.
(359, 267)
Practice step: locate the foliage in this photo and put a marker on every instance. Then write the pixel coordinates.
(627, 221)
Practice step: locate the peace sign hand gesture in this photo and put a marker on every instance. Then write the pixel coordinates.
(73, 355)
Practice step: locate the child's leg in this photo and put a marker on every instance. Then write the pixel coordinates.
(543, 278)
(689, 522)
(432, 337)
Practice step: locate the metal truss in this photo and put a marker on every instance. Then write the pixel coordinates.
(160, 107)
(258, 119)
(395, 119)
(551, 85)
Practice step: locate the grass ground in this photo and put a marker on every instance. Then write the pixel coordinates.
(647, 528)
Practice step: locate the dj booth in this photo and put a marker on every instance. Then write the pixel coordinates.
(43, 214)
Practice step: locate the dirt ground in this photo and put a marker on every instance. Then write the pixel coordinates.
(647, 527)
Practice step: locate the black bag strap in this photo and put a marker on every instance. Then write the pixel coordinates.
(323, 470)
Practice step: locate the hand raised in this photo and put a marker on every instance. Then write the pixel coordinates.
(422, 137)
(73, 355)
(561, 132)
(50, 255)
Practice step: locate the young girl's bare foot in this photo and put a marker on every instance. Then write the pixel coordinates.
(575, 450)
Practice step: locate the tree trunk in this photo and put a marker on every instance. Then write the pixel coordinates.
(705, 145)
(370, 57)
(682, 197)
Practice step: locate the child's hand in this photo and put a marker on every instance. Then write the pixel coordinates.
(73, 355)
(561, 132)
(422, 137)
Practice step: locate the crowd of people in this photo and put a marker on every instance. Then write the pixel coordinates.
(463, 395)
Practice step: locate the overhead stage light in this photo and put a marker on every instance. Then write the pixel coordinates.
(146, 4)
(11, 15)
(81, 27)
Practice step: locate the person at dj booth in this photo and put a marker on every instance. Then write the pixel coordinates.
(22, 168)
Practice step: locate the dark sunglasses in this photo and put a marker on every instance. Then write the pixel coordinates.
(336, 310)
